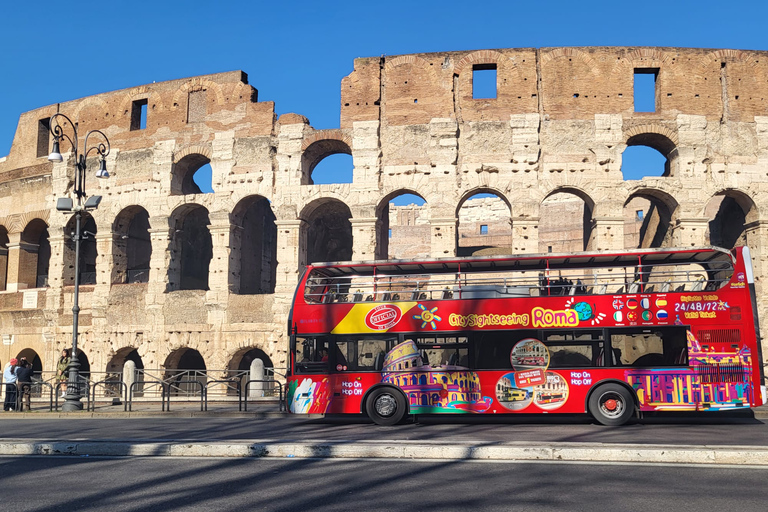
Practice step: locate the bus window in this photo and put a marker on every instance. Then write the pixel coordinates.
(574, 349)
(491, 349)
(661, 346)
(362, 353)
(311, 354)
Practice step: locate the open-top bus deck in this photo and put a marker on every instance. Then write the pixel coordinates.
(609, 333)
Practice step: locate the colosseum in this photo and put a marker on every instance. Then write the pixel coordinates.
(178, 278)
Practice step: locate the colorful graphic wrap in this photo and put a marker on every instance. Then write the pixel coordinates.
(717, 380)
(308, 397)
(448, 389)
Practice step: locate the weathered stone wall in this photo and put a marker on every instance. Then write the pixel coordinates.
(559, 124)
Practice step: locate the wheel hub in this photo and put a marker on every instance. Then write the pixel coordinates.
(611, 404)
(386, 405)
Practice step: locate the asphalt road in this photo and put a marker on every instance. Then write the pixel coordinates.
(711, 430)
(43, 484)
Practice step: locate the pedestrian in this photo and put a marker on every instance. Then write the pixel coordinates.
(24, 384)
(9, 376)
(61, 371)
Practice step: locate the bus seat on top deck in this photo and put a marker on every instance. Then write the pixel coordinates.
(698, 285)
(666, 286)
(378, 363)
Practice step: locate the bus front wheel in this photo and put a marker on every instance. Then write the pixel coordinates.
(611, 405)
(385, 406)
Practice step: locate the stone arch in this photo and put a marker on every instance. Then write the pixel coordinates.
(416, 91)
(654, 227)
(254, 247)
(484, 224)
(32, 356)
(185, 166)
(240, 364)
(194, 85)
(730, 211)
(192, 245)
(479, 57)
(88, 250)
(570, 53)
(327, 231)
(34, 255)
(401, 223)
(658, 137)
(132, 247)
(320, 146)
(184, 364)
(565, 223)
(121, 356)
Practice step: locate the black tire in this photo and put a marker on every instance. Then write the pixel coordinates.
(385, 406)
(611, 404)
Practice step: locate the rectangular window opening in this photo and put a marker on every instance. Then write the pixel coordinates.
(640, 214)
(139, 115)
(484, 229)
(43, 137)
(483, 81)
(645, 89)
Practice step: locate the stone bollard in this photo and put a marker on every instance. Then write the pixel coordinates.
(256, 372)
(129, 377)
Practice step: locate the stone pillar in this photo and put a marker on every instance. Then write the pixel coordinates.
(21, 263)
(607, 234)
(757, 240)
(221, 230)
(525, 235)
(256, 372)
(100, 297)
(688, 232)
(129, 376)
(443, 237)
(363, 238)
(159, 272)
(291, 254)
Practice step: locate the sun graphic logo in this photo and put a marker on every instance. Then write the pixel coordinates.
(427, 316)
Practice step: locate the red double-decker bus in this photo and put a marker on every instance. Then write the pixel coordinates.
(607, 333)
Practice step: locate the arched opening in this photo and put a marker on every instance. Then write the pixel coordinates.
(115, 368)
(329, 231)
(184, 365)
(193, 247)
(31, 356)
(648, 220)
(403, 229)
(189, 173)
(485, 225)
(3, 258)
(255, 247)
(34, 255)
(648, 154)
(88, 251)
(729, 212)
(565, 224)
(132, 246)
(337, 169)
(240, 364)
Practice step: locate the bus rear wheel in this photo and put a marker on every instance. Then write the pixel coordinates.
(611, 405)
(385, 406)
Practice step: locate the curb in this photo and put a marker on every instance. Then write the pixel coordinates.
(556, 452)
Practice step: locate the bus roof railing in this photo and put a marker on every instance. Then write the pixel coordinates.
(542, 261)
(639, 271)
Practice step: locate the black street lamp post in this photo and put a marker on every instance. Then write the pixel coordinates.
(65, 204)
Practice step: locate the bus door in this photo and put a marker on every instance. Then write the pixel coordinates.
(356, 365)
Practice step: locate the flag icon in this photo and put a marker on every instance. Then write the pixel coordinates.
(645, 303)
(617, 316)
(632, 303)
(660, 303)
(647, 315)
(662, 314)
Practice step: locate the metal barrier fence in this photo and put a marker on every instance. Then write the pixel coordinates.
(151, 386)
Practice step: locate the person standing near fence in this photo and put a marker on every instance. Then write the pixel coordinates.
(61, 371)
(9, 376)
(24, 383)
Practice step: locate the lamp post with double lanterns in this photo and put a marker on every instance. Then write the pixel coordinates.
(82, 203)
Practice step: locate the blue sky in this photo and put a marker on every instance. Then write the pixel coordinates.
(296, 53)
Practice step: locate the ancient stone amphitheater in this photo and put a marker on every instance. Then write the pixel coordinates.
(177, 278)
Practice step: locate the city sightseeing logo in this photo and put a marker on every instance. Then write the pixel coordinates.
(383, 317)
(427, 316)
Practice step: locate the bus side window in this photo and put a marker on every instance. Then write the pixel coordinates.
(311, 355)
